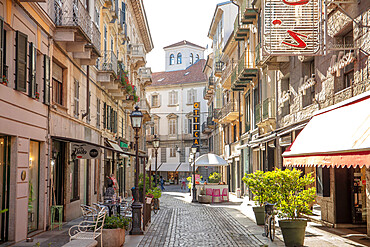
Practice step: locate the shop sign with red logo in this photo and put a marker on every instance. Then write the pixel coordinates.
(292, 27)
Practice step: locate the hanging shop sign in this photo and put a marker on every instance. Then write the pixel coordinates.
(292, 27)
(84, 151)
(196, 123)
(343, 60)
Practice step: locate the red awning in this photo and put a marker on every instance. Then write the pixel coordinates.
(338, 136)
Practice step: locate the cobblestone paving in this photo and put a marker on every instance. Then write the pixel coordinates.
(180, 223)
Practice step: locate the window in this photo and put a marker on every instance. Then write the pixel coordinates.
(192, 96)
(247, 112)
(97, 17)
(172, 98)
(156, 126)
(179, 58)
(32, 89)
(105, 115)
(190, 125)
(172, 127)
(153, 153)
(173, 152)
(76, 99)
(163, 155)
(74, 174)
(323, 181)
(285, 85)
(88, 118)
(47, 80)
(155, 100)
(105, 38)
(98, 113)
(191, 58)
(197, 58)
(172, 59)
(309, 93)
(21, 62)
(57, 84)
(112, 44)
(346, 77)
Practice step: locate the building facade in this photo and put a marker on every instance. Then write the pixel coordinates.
(72, 72)
(171, 98)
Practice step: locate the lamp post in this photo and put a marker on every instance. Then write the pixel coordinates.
(156, 146)
(191, 162)
(194, 151)
(136, 121)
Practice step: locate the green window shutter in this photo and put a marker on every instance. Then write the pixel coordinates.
(115, 122)
(32, 71)
(21, 62)
(46, 80)
(105, 115)
(1, 46)
(108, 118)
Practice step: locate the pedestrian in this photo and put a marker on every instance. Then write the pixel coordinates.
(162, 183)
(183, 183)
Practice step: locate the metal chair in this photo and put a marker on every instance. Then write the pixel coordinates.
(225, 193)
(216, 194)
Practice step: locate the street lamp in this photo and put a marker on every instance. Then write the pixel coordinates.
(193, 152)
(155, 146)
(136, 121)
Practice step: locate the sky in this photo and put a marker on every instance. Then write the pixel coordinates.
(171, 21)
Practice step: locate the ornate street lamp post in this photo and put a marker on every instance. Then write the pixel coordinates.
(156, 146)
(194, 151)
(136, 121)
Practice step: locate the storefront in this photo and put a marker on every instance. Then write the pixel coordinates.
(4, 187)
(335, 144)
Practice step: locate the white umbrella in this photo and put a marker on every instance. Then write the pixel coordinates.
(210, 160)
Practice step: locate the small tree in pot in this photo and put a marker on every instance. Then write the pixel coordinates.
(114, 230)
(294, 199)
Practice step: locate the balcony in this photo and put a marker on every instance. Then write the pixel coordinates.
(218, 68)
(248, 14)
(74, 30)
(145, 75)
(136, 53)
(216, 115)
(107, 63)
(226, 76)
(145, 109)
(257, 113)
(268, 109)
(245, 71)
(209, 89)
(260, 59)
(208, 126)
(241, 31)
(229, 112)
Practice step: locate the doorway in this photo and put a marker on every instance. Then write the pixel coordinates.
(57, 172)
(4, 187)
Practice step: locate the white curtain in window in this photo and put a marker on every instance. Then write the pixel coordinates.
(172, 126)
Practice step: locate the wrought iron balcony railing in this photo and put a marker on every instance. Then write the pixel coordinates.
(145, 72)
(245, 62)
(268, 108)
(231, 106)
(218, 67)
(95, 37)
(137, 50)
(108, 62)
(71, 14)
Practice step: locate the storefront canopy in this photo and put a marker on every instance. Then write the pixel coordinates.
(167, 167)
(210, 160)
(338, 136)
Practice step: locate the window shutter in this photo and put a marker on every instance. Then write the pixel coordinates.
(21, 62)
(182, 155)
(108, 117)
(105, 115)
(176, 97)
(186, 125)
(163, 155)
(169, 98)
(159, 100)
(46, 79)
(32, 71)
(1, 46)
(189, 97)
(89, 112)
(194, 95)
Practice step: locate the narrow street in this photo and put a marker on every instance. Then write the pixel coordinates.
(180, 223)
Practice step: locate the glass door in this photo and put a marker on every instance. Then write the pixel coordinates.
(33, 186)
(4, 185)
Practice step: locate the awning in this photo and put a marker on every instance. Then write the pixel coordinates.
(184, 167)
(210, 160)
(115, 146)
(338, 136)
(167, 167)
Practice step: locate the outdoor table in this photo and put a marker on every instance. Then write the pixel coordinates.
(110, 206)
(210, 185)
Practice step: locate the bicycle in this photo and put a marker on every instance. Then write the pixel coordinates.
(155, 205)
(269, 226)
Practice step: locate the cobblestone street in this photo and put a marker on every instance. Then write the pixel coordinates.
(180, 223)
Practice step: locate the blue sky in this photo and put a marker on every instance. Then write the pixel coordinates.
(171, 21)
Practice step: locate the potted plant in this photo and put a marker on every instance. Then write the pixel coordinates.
(114, 230)
(157, 193)
(256, 183)
(295, 197)
(214, 177)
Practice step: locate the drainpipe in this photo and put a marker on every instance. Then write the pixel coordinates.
(87, 113)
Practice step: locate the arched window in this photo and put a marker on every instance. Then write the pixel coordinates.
(179, 58)
(191, 58)
(197, 58)
(172, 59)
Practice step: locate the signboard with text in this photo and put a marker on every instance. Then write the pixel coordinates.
(85, 151)
(196, 123)
(292, 27)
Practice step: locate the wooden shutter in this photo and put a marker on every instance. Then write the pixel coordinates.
(1, 45)
(189, 97)
(186, 125)
(46, 79)
(105, 115)
(21, 62)
(32, 71)
(163, 155)
(176, 95)
(194, 95)
(108, 117)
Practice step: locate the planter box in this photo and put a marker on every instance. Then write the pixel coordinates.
(293, 231)
(113, 237)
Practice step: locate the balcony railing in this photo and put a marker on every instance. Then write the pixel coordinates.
(268, 108)
(95, 37)
(144, 105)
(218, 68)
(236, 24)
(257, 113)
(108, 62)
(258, 52)
(245, 62)
(234, 75)
(216, 114)
(231, 106)
(145, 73)
(71, 14)
(137, 50)
(211, 81)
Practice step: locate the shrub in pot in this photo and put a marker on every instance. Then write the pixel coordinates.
(157, 193)
(294, 199)
(114, 230)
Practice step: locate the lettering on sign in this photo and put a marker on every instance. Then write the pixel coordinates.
(85, 151)
(343, 61)
(292, 27)
(196, 116)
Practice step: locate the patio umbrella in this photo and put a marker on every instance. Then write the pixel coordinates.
(210, 160)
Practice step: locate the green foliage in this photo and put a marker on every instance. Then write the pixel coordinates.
(156, 192)
(141, 184)
(214, 177)
(256, 183)
(189, 182)
(115, 222)
(128, 88)
(294, 198)
(4, 210)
